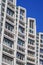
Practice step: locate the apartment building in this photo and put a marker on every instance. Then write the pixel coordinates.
(7, 32)
(39, 48)
(31, 41)
(17, 35)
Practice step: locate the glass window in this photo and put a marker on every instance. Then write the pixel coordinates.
(21, 17)
(9, 26)
(31, 31)
(41, 50)
(20, 56)
(8, 42)
(41, 41)
(32, 24)
(10, 12)
(7, 59)
(41, 62)
(22, 12)
(31, 41)
(41, 36)
(20, 42)
(20, 49)
(21, 29)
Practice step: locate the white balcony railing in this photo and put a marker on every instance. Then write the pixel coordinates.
(7, 61)
(8, 45)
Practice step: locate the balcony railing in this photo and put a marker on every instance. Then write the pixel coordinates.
(8, 51)
(7, 44)
(7, 61)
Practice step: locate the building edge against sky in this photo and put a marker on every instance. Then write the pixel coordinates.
(18, 45)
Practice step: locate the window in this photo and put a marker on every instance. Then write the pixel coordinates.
(41, 50)
(9, 26)
(41, 62)
(31, 53)
(20, 42)
(17, 12)
(20, 49)
(32, 24)
(10, 12)
(21, 17)
(31, 31)
(31, 41)
(21, 29)
(41, 36)
(20, 56)
(8, 42)
(7, 59)
(41, 41)
(41, 56)
(22, 12)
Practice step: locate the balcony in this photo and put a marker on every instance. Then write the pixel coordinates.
(7, 60)
(21, 32)
(19, 63)
(9, 26)
(12, 33)
(8, 43)
(31, 48)
(6, 36)
(21, 42)
(8, 51)
(31, 55)
(31, 62)
(9, 34)
(10, 20)
(31, 59)
(22, 24)
(10, 17)
(20, 48)
(22, 36)
(22, 12)
(21, 29)
(11, 5)
(31, 41)
(20, 56)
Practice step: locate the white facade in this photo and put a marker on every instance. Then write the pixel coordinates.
(31, 41)
(7, 35)
(39, 48)
(17, 35)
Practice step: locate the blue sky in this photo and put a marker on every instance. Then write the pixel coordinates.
(34, 9)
